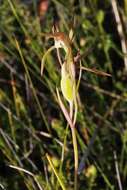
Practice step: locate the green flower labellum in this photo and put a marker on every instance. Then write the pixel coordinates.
(67, 84)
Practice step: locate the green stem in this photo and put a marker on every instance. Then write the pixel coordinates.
(62, 155)
(73, 130)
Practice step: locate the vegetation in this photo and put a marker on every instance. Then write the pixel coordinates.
(41, 143)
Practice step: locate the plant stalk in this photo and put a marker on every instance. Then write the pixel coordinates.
(74, 140)
(73, 130)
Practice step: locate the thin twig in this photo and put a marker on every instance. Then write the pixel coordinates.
(29, 173)
(105, 92)
(5, 137)
(117, 171)
(120, 31)
(55, 172)
(2, 187)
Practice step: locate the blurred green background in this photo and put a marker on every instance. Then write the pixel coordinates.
(31, 121)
